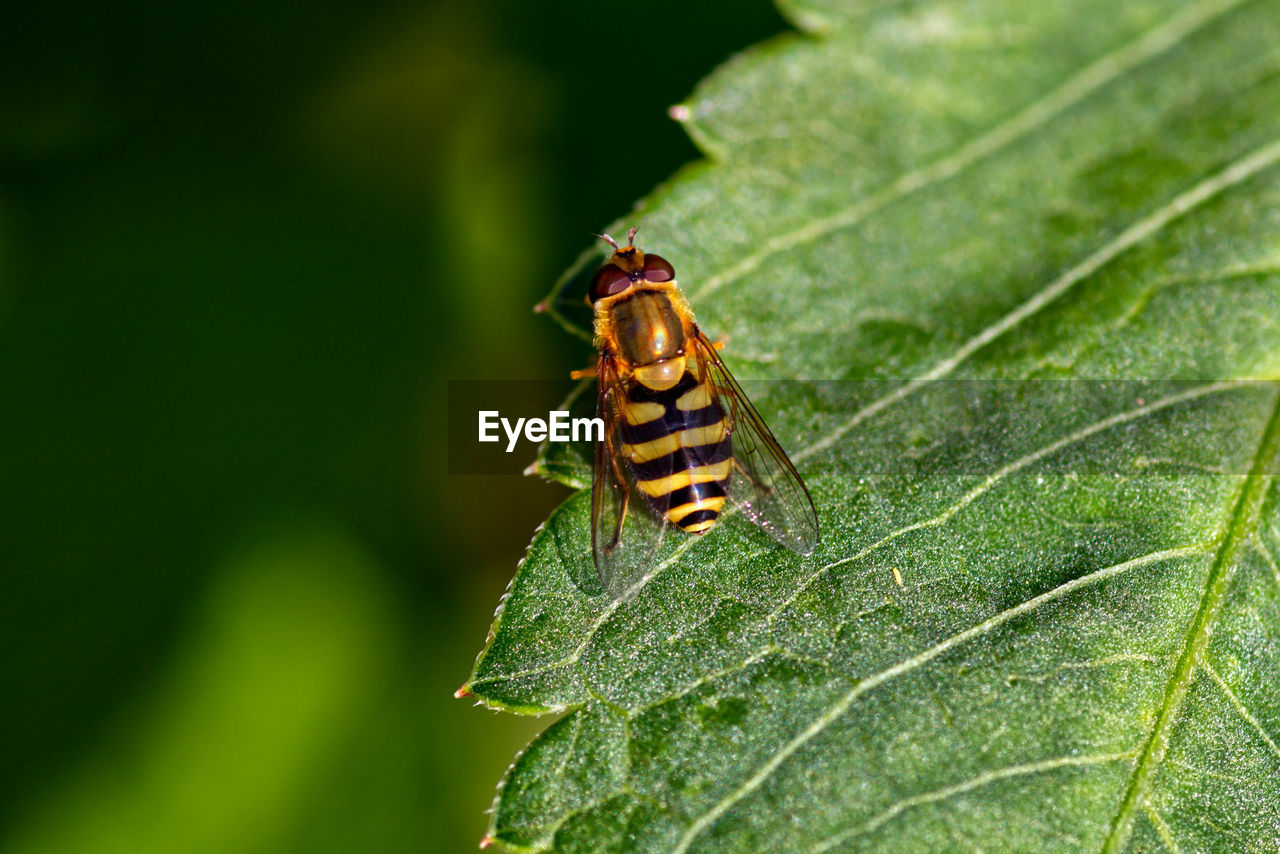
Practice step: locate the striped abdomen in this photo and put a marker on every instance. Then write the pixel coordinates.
(678, 444)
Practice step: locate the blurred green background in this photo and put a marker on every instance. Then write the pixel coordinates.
(242, 250)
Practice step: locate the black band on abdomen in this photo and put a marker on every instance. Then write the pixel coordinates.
(683, 460)
(690, 494)
(698, 516)
(638, 392)
(673, 421)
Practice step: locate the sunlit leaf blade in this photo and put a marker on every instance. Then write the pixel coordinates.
(1027, 258)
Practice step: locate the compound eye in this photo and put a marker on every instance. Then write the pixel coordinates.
(656, 269)
(607, 281)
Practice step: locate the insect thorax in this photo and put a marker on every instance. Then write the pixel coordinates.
(648, 328)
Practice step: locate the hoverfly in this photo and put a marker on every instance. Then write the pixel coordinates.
(680, 438)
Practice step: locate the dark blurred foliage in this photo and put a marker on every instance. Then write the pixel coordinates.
(242, 249)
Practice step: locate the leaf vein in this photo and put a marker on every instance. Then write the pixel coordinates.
(576, 654)
(1269, 558)
(1238, 172)
(706, 678)
(993, 479)
(968, 786)
(1162, 829)
(1239, 706)
(866, 684)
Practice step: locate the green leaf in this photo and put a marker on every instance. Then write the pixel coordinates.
(1027, 257)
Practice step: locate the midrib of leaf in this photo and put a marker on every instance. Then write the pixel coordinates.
(1092, 78)
(1239, 529)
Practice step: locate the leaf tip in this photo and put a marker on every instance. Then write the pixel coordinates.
(542, 307)
(680, 112)
(486, 841)
(464, 691)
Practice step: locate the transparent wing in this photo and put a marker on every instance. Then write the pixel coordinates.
(625, 533)
(764, 485)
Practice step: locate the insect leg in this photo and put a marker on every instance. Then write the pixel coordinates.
(626, 500)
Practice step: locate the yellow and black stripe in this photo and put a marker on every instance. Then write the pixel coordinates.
(678, 444)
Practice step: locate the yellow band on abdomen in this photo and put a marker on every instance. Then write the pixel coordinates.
(676, 480)
(675, 514)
